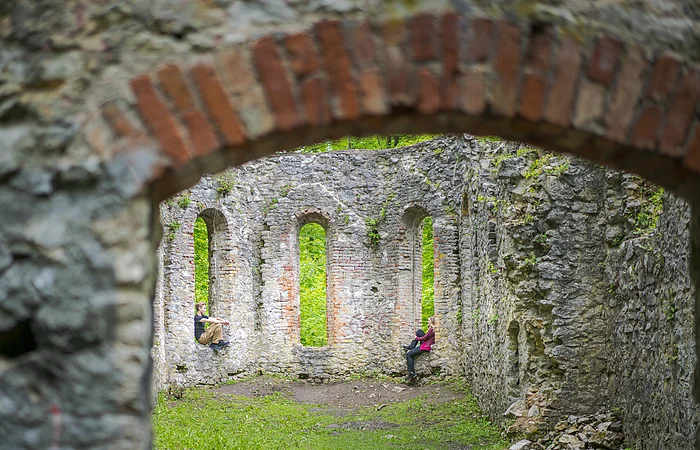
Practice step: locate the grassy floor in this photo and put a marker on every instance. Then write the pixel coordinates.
(203, 420)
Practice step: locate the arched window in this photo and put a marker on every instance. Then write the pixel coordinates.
(416, 269)
(210, 233)
(427, 297)
(313, 330)
(201, 262)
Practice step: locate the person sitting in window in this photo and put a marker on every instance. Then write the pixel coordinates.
(414, 342)
(213, 335)
(427, 342)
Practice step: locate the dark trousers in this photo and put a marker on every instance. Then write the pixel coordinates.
(409, 358)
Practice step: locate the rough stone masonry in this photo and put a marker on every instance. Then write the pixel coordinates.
(547, 271)
(109, 107)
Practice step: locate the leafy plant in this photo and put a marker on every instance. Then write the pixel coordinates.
(493, 320)
(174, 227)
(226, 183)
(184, 201)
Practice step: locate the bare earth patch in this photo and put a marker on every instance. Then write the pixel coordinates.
(341, 395)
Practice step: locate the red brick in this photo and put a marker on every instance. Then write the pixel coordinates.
(539, 51)
(663, 77)
(692, 156)
(236, 70)
(337, 65)
(646, 129)
(302, 55)
(372, 93)
(217, 102)
(274, 80)
(428, 92)
(562, 91)
(449, 93)
(589, 106)
(604, 60)
(471, 95)
(422, 33)
(626, 95)
(680, 113)
(174, 85)
(159, 120)
(398, 70)
(201, 135)
(507, 69)
(363, 46)
(532, 97)
(248, 96)
(314, 97)
(449, 33)
(478, 43)
(117, 119)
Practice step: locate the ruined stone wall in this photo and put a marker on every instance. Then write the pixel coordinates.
(571, 300)
(372, 305)
(551, 295)
(652, 348)
(531, 230)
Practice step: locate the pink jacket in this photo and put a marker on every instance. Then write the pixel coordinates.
(428, 340)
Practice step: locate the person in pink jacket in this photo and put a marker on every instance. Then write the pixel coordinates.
(426, 341)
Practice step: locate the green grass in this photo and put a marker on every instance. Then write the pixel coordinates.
(201, 420)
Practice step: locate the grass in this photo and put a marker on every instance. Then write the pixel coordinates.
(203, 420)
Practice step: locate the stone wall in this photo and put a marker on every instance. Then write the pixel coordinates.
(572, 301)
(553, 288)
(652, 348)
(372, 306)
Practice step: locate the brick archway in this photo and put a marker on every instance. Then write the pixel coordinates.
(616, 100)
(601, 97)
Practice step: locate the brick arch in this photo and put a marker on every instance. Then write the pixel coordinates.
(603, 98)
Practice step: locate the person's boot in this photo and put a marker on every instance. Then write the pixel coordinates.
(215, 347)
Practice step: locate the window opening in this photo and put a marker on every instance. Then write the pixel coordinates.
(312, 285)
(428, 271)
(201, 262)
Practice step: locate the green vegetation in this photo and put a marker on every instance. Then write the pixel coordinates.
(207, 420)
(367, 143)
(174, 227)
(201, 262)
(647, 216)
(184, 201)
(374, 222)
(428, 291)
(312, 285)
(226, 181)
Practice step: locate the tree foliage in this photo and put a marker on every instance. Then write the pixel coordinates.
(367, 143)
(312, 285)
(428, 291)
(201, 262)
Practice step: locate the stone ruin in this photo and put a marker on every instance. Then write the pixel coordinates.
(107, 108)
(554, 294)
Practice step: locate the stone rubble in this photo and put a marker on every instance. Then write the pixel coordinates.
(597, 431)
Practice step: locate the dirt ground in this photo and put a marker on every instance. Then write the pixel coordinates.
(341, 395)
